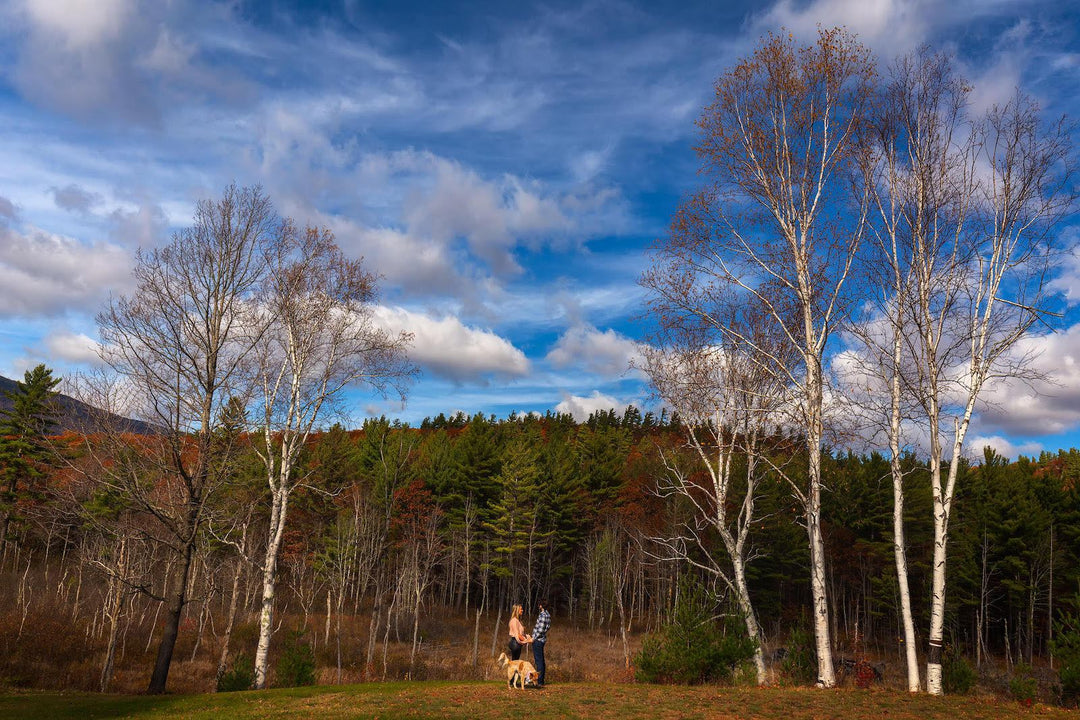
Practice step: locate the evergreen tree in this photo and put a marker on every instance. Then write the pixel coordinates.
(603, 452)
(477, 464)
(514, 517)
(23, 427)
(564, 502)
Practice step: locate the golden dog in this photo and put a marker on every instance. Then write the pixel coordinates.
(522, 670)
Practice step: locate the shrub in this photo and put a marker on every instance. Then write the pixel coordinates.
(694, 648)
(1023, 685)
(957, 675)
(297, 663)
(1066, 649)
(800, 661)
(865, 674)
(240, 677)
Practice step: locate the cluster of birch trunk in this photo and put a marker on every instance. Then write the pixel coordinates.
(867, 255)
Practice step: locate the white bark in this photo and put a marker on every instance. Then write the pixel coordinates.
(223, 660)
(899, 544)
(998, 293)
(753, 630)
(818, 588)
(278, 513)
(717, 459)
(319, 338)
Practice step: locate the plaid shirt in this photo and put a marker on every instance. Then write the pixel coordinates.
(543, 624)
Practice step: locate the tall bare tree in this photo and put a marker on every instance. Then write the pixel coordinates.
(320, 337)
(712, 362)
(780, 222)
(920, 168)
(420, 544)
(176, 347)
(972, 309)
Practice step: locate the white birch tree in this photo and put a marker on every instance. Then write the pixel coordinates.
(320, 338)
(713, 365)
(974, 308)
(920, 170)
(780, 221)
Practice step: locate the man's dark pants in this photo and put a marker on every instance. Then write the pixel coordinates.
(538, 656)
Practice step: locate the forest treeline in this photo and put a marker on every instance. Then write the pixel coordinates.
(463, 516)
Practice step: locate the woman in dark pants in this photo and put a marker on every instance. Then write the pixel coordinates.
(518, 638)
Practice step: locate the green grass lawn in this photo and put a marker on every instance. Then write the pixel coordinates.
(492, 700)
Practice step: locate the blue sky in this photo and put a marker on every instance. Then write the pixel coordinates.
(504, 166)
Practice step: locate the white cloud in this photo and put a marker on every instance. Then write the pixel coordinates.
(1050, 404)
(605, 353)
(1067, 282)
(7, 208)
(418, 265)
(1003, 446)
(448, 348)
(42, 273)
(120, 60)
(492, 216)
(79, 23)
(72, 347)
(581, 407)
(889, 26)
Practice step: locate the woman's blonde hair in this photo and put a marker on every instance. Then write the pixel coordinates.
(516, 610)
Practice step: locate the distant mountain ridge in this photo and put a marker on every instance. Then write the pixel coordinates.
(74, 414)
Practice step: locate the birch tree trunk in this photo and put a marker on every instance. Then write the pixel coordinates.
(899, 543)
(818, 587)
(223, 660)
(943, 497)
(113, 606)
(753, 629)
(278, 513)
(320, 337)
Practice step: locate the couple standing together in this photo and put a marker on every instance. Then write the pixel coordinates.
(519, 639)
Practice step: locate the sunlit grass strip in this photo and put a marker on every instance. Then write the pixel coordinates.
(491, 700)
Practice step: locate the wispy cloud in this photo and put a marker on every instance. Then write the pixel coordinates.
(502, 172)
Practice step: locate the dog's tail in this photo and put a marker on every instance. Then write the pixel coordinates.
(503, 660)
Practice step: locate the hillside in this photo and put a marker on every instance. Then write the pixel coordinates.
(74, 414)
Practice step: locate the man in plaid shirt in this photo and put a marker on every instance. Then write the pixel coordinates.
(539, 635)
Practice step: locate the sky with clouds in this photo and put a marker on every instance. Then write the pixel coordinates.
(503, 166)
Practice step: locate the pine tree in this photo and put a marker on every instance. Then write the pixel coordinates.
(514, 520)
(23, 428)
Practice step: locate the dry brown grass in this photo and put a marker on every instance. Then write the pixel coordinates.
(55, 651)
(58, 651)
